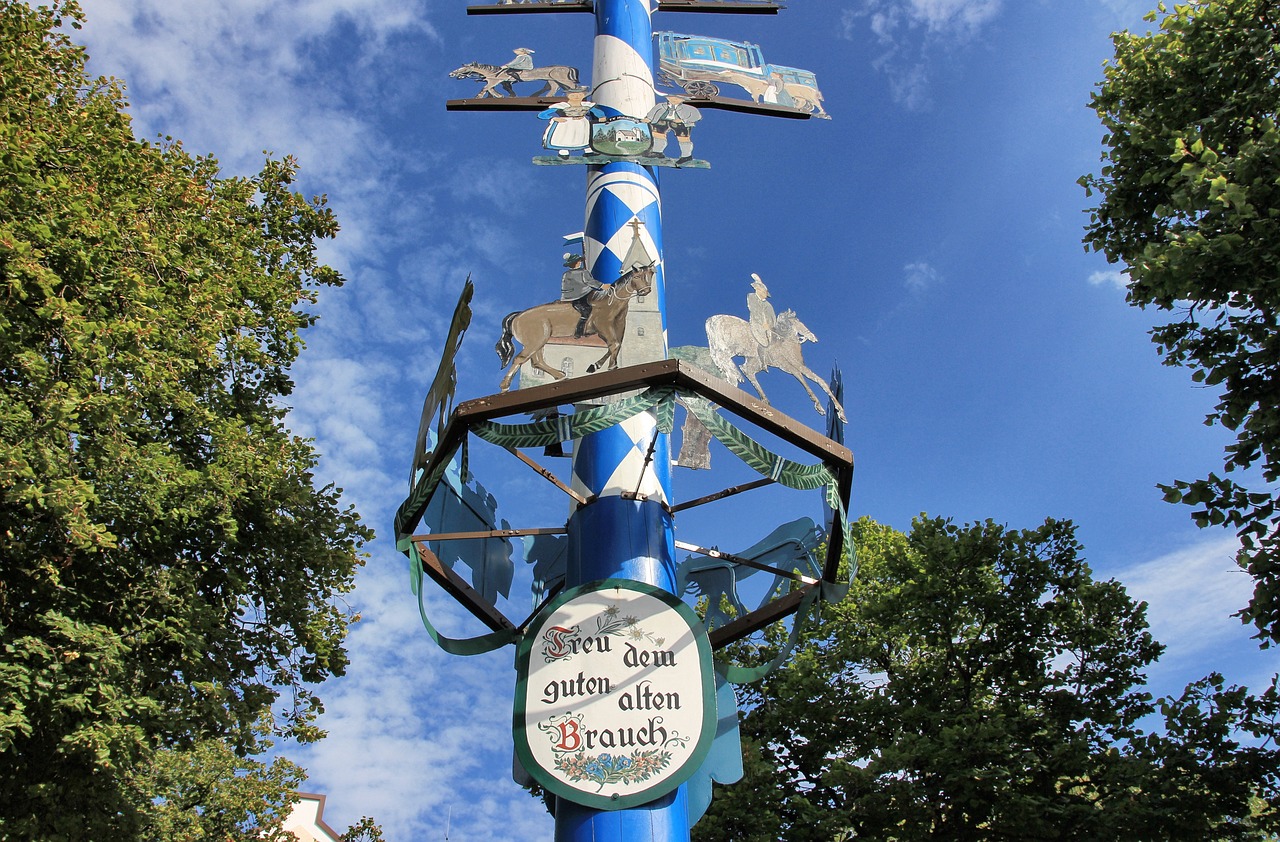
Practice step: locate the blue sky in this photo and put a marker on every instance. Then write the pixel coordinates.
(929, 235)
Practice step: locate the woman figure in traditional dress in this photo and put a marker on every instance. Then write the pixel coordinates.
(777, 92)
(570, 126)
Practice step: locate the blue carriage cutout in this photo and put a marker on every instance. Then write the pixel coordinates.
(700, 64)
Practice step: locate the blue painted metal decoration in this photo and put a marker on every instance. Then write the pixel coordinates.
(547, 555)
(569, 123)
(604, 135)
(620, 524)
(700, 64)
(790, 548)
(464, 505)
(724, 763)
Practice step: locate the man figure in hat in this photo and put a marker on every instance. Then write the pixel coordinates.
(578, 288)
(675, 116)
(762, 319)
(522, 61)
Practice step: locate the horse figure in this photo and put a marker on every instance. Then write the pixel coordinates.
(730, 336)
(534, 327)
(555, 77)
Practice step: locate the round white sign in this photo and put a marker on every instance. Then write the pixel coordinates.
(615, 700)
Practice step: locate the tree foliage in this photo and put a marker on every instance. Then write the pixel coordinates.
(209, 792)
(978, 683)
(365, 830)
(1189, 202)
(169, 571)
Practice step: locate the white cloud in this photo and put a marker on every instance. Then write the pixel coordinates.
(910, 32)
(1114, 277)
(919, 278)
(1191, 595)
(238, 77)
(941, 20)
(413, 732)
(957, 18)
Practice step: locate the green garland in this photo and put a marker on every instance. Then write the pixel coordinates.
(557, 429)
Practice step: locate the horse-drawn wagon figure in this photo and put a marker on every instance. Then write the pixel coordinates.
(700, 64)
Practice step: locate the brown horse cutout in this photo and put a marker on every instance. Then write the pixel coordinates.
(535, 327)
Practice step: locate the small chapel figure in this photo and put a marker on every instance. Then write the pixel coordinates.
(570, 126)
(677, 117)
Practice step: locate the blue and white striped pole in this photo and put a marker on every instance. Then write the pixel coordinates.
(626, 532)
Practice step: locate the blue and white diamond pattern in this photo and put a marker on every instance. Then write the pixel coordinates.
(622, 70)
(632, 186)
(614, 198)
(630, 467)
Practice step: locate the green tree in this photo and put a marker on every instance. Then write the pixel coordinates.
(978, 683)
(170, 573)
(365, 830)
(209, 792)
(1189, 203)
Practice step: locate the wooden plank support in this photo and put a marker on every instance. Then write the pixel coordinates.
(737, 559)
(733, 7)
(746, 106)
(541, 103)
(721, 495)
(503, 103)
(660, 373)
(547, 475)
(532, 8)
(736, 7)
(492, 533)
(455, 586)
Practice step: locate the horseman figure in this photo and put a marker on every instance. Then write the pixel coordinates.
(586, 307)
(761, 317)
(765, 340)
(522, 61)
(582, 291)
(578, 288)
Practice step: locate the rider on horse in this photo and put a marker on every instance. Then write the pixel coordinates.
(578, 288)
(762, 318)
(522, 61)
(581, 290)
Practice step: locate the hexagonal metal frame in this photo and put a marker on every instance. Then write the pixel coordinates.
(676, 373)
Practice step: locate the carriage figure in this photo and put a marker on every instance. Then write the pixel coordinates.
(699, 64)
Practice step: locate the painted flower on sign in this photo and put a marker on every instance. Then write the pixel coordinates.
(560, 643)
(607, 768)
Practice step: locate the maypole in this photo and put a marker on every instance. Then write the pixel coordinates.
(627, 531)
(620, 713)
